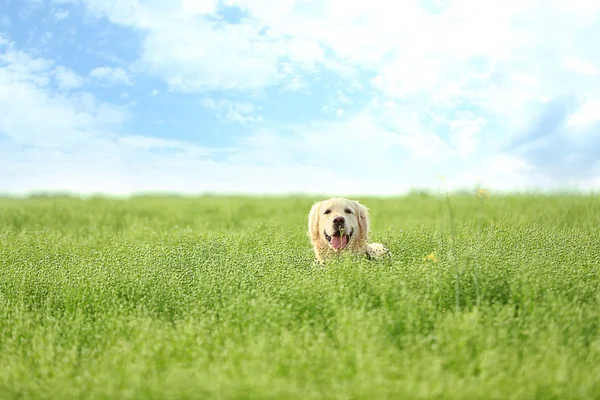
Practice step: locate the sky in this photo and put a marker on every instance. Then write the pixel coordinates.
(316, 96)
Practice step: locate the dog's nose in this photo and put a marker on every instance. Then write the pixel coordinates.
(339, 221)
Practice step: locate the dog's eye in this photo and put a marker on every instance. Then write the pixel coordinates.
(348, 211)
(327, 211)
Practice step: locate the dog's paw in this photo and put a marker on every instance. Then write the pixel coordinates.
(377, 250)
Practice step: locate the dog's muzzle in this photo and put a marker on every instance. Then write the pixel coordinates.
(339, 239)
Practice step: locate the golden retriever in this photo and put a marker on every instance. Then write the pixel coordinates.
(339, 224)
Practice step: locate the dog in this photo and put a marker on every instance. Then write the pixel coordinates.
(339, 224)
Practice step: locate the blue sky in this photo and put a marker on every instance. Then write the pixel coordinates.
(320, 96)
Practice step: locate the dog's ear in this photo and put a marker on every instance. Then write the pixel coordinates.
(313, 222)
(364, 222)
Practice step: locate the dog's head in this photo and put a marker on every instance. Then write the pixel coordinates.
(338, 223)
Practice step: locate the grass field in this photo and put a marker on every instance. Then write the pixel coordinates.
(218, 297)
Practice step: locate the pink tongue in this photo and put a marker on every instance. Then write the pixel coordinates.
(339, 242)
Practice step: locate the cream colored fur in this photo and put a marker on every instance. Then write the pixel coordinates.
(357, 223)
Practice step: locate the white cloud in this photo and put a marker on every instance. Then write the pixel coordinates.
(59, 15)
(192, 53)
(199, 7)
(67, 79)
(74, 144)
(62, 120)
(582, 67)
(305, 52)
(587, 114)
(421, 94)
(4, 40)
(499, 56)
(295, 84)
(502, 172)
(464, 131)
(22, 67)
(111, 76)
(242, 112)
(357, 146)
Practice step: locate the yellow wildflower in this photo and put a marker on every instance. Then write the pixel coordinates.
(483, 193)
(431, 257)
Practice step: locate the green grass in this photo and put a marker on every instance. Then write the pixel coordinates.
(218, 297)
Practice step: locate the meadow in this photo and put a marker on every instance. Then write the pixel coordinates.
(219, 297)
